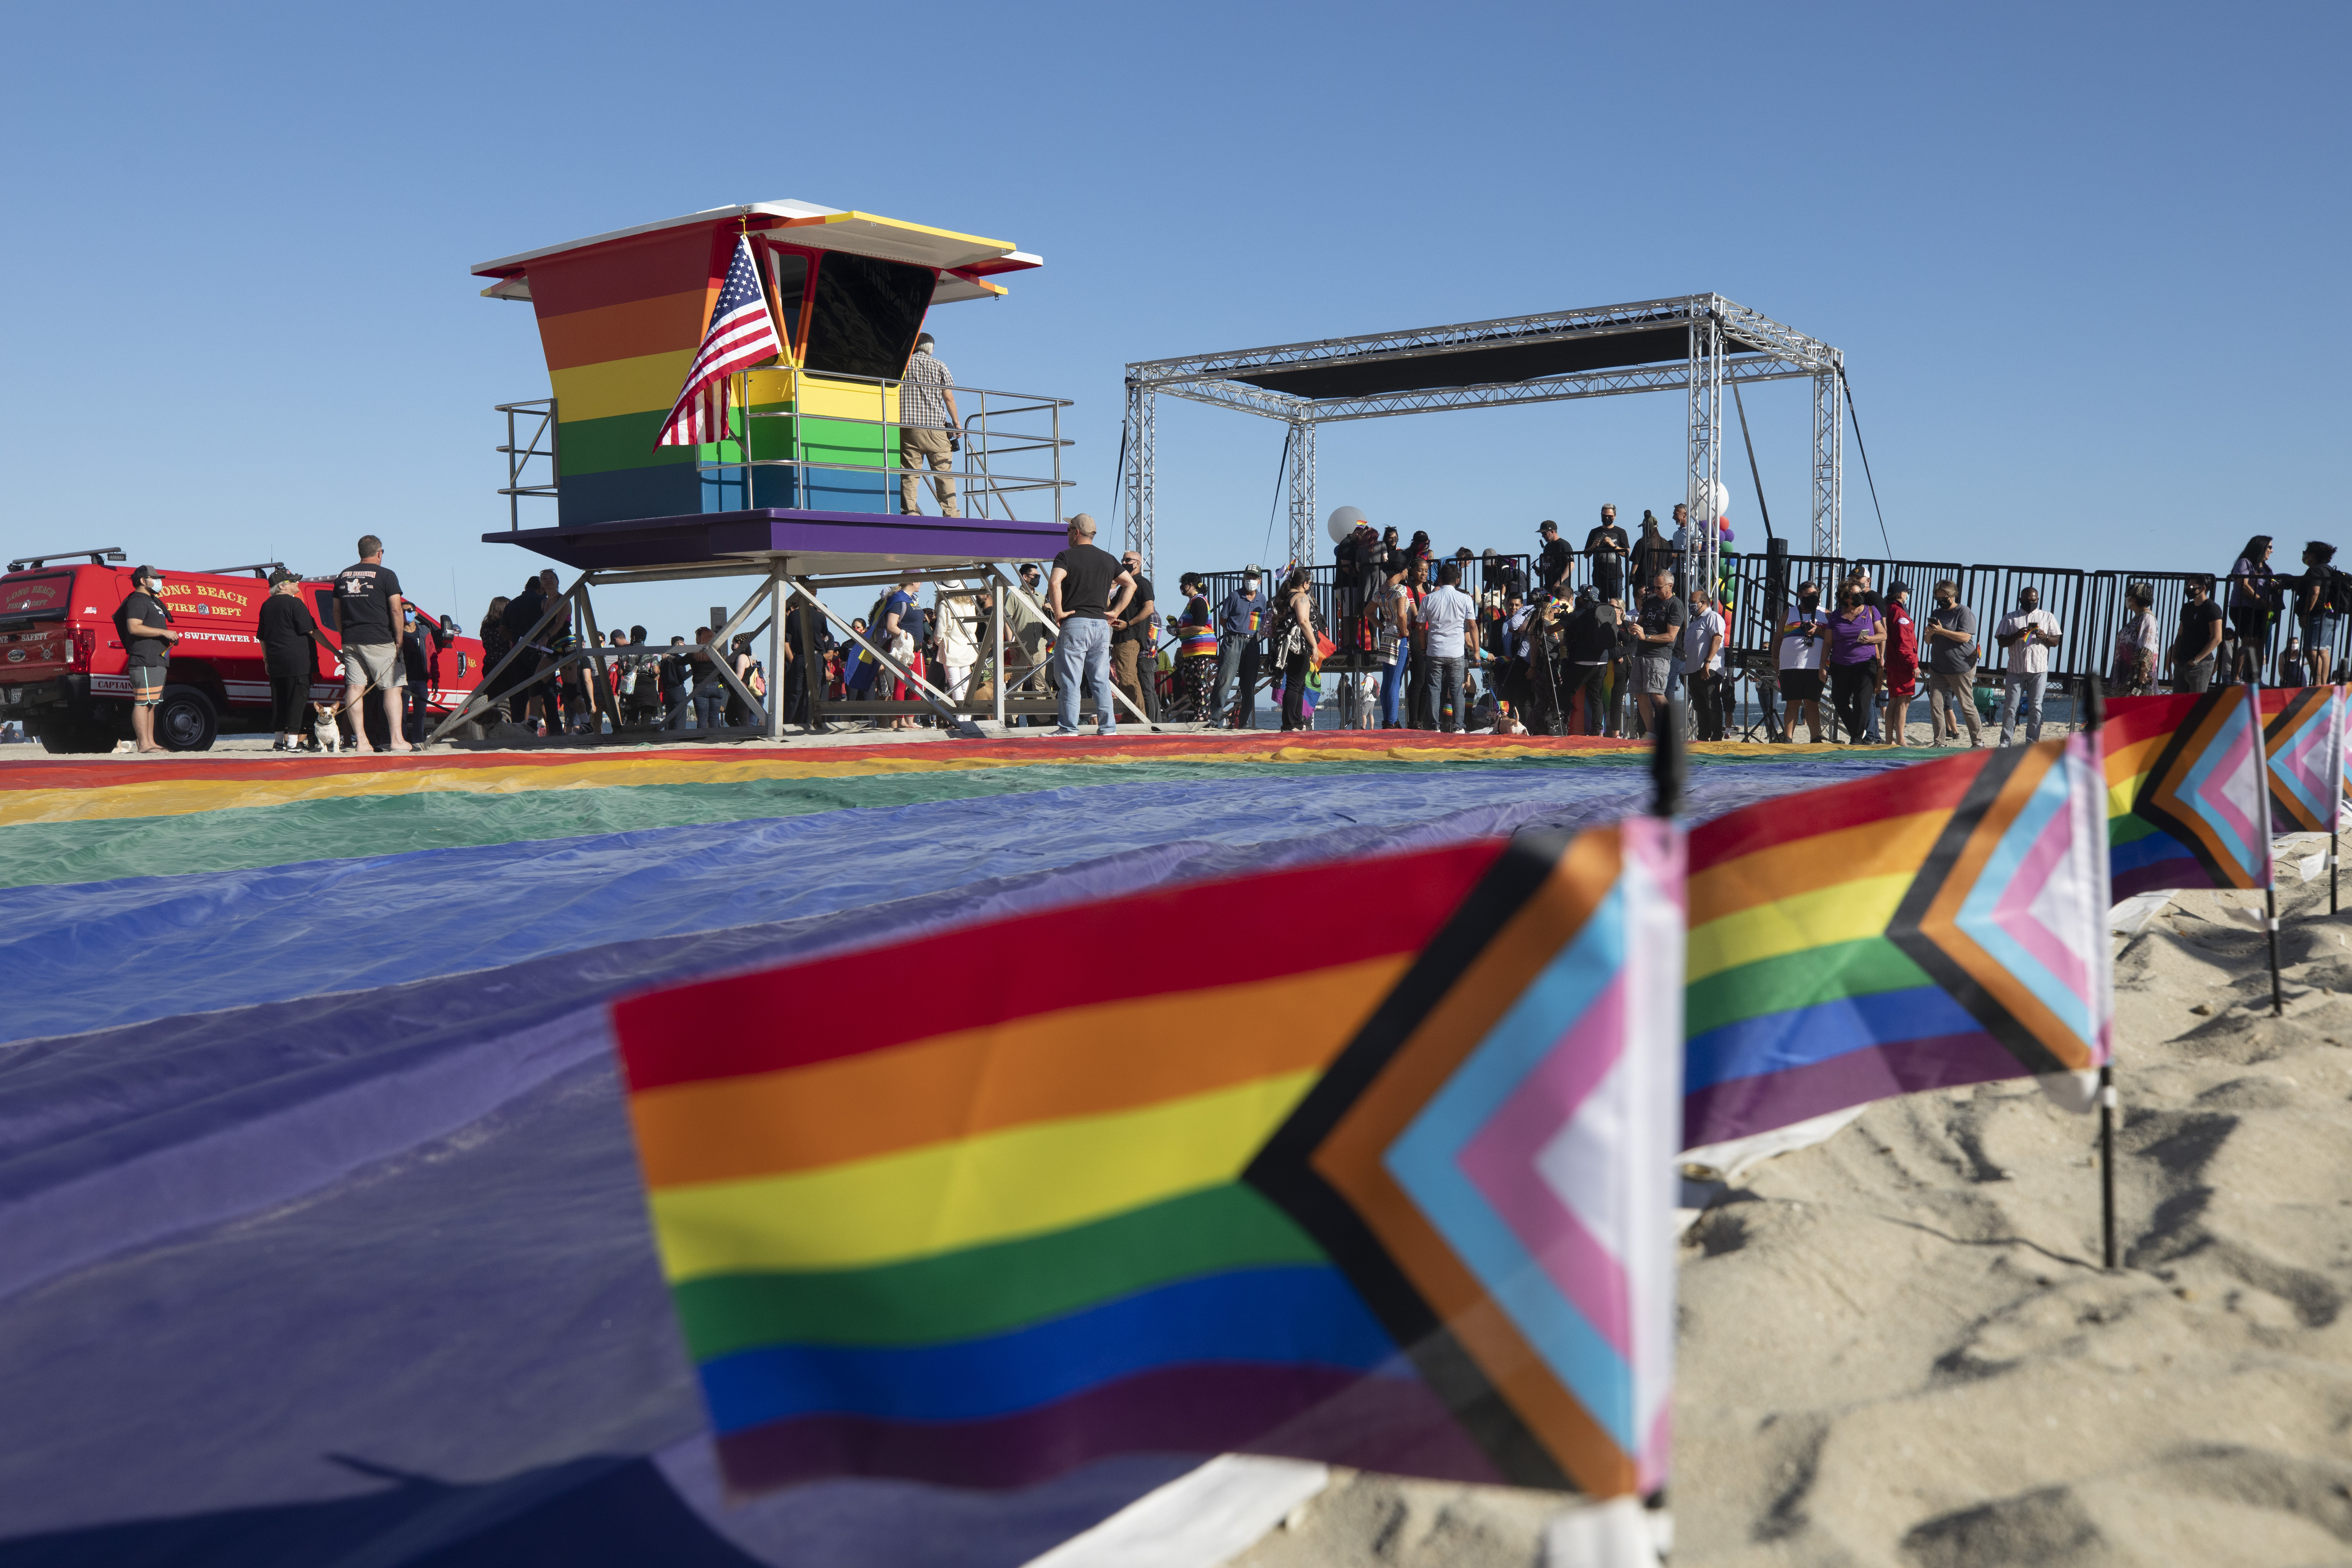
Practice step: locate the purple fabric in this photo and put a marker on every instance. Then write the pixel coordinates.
(1743, 1106)
(818, 541)
(1846, 645)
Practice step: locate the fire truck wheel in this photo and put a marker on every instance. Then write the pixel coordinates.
(185, 722)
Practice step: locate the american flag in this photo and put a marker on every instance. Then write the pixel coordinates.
(741, 334)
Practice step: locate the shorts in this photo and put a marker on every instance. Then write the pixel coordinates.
(2319, 630)
(1650, 676)
(147, 683)
(373, 666)
(1800, 685)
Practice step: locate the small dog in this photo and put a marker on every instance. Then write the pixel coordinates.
(326, 735)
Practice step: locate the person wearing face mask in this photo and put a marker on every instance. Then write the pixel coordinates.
(2195, 645)
(2028, 633)
(1951, 637)
(1800, 661)
(1241, 620)
(1857, 646)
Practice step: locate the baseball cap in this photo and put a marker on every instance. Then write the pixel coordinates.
(283, 575)
(1546, 523)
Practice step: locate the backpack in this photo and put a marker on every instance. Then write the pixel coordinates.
(2339, 593)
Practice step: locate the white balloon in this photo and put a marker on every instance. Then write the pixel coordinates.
(1343, 523)
(1722, 499)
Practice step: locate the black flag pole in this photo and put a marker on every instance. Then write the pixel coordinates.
(2262, 834)
(1666, 762)
(2093, 715)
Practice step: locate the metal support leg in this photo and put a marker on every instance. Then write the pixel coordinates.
(996, 618)
(603, 697)
(1704, 432)
(776, 682)
(1142, 413)
(1304, 532)
(1829, 465)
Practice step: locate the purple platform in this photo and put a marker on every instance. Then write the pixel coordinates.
(813, 542)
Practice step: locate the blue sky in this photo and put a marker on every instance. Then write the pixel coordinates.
(2083, 261)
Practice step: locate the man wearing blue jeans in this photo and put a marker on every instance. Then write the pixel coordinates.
(1088, 589)
(2027, 634)
(1453, 630)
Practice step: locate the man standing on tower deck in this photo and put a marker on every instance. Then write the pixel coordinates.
(1088, 591)
(1608, 546)
(368, 612)
(928, 425)
(1553, 561)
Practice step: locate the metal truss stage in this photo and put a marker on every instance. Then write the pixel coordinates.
(1699, 344)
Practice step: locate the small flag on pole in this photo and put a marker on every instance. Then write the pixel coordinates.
(2301, 733)
(1393, 1193)
(740, 335)
(2187, 798)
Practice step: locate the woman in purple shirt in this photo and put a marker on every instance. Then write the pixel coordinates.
(1857, 636)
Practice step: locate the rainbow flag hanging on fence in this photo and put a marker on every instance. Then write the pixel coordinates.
(2303, 746)
(2187, 805)
(1932, 925)
(1379, 1172)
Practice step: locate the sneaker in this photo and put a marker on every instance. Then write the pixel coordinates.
(1063, 730)
(1105, 734)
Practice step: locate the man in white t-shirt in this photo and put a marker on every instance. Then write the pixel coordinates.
(1451, 619)
(1703, 662)
(1804, 636)
(2026, 634)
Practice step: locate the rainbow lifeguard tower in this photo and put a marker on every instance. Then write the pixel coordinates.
(805, 492)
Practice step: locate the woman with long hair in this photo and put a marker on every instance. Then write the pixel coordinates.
(1857, 641)
(1297, 622)
(2254, 593)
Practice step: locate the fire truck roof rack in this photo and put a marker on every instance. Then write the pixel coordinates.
(97, 558)
(258, 568)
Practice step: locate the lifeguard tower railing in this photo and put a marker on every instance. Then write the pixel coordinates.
(999, 430)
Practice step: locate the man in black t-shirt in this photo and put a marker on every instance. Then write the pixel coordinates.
(1554, 561)
(2201, 634)
(1607, 546)
(1088, 590)
(1134, 642)
(369, 612)
(147, 638)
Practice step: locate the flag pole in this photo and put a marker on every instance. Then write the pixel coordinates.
(2336, 821)
(1666, 762)
(2094, 714)
(2263, 833)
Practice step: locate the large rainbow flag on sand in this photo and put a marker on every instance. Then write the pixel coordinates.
(1376, 1170)
(2187, 805)
(1939, 924)
(2302, 744)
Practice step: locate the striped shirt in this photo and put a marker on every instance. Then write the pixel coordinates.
(920, 400)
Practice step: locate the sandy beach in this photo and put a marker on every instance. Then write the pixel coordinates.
(1897, 1347)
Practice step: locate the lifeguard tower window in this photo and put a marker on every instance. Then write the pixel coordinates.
(866, 314)
(790, 284)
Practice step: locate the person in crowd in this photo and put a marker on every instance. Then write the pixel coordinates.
(902, 636)
(1417, 589)
(421, 643)
(2026, 634)
(959, 617)
(2315, 602)
(1294, 643)
(1608, 549)
(368, 609)
(290, 654)
(672, 675)
(1658, 628)
(927, 426)
(1029, 635)
(751, 673)
(1501, 574)
(2254, 595)
(1448, 620)
(2292, 669)
(2196, 645)
(1702, 650)
(497, 643)
(1196, 643)
(1802, 652)
(1951, 639)
(1857, 646)
(1392, 642)
(709, 689)
(1508, 662)
(1135, 635)
(1683, 542)
(1555, 560)
(641, 683)
(144, 622)
(1902, 661)
(1421, 550)
(1240, 619)
(1088, 589)
(2133, 674)
(1392, 556)
(1650, 555)
(534, 645)
(1589, 638)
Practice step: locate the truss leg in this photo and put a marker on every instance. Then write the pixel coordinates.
(1141, 416)
(1704, 444)
(1304, 531)
(1829, 464)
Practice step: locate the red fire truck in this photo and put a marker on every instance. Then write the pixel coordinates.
(64, 674)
